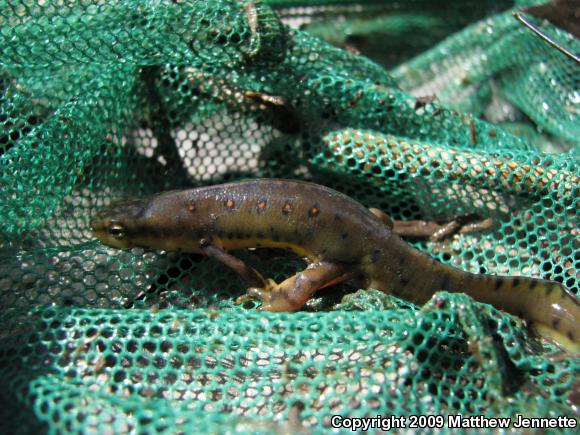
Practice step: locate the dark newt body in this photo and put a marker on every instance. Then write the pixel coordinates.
(340, 238)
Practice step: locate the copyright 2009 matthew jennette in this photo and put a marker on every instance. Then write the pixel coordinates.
(388, 422)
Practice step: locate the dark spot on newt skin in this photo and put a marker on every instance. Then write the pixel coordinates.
(376, 255)
(555, 323)
(261, 205)
(533, 284)
(498, 284)
(276, 238)
(401, 260)
(516, 282)
(549, 289)
(272, 229)
(239, 235)
(570, 336)
(336, 217)
(230, 235)
(344, 236)
(287, 208)
(314, 211)
(260, 235)
(404, 281)
(444, 282)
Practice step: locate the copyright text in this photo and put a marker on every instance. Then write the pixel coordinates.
(389, 422)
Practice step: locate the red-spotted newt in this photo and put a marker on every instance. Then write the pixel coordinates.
(340, 238)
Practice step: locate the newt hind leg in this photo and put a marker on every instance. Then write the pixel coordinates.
(436, 232)
(292, 293)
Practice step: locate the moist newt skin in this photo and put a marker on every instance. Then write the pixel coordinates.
(340, 238)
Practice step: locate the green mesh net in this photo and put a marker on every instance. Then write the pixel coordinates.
(102, 100)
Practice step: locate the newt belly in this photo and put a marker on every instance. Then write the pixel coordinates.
(340, 238)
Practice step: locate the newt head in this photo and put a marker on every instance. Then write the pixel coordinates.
(118, 224)
(170, 221)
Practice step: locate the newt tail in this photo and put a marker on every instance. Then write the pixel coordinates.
(340, 238)
(553, 309)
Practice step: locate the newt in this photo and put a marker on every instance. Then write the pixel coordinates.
(339, 238)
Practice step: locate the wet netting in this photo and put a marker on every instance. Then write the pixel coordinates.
(424, 109)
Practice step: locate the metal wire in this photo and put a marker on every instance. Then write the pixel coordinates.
(521, 19)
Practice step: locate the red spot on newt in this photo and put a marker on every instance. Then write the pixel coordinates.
(314, 211)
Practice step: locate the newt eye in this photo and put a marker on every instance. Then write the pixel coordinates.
(117, 231)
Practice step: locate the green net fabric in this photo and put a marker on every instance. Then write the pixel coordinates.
(103, 100)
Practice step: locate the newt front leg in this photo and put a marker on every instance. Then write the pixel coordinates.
(251, 275)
